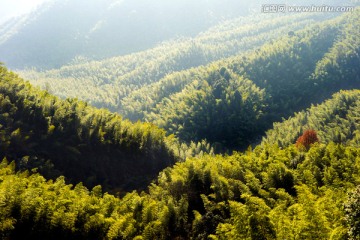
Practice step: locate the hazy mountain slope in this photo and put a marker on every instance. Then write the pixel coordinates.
(267, 193)
(70, 138)
(211, 102)
(61, 30)
(112, 83)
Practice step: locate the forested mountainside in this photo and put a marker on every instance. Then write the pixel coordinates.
(60, 31)
(145, 167)
(71, 138)
(284, 75)
(266, 193)
(335, 120)
(107, 82)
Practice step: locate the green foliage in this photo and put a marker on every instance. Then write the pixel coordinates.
(32, 207)
(352, 209)
(223, 102)
(339, 67)
(265, 193)
(193, 113)
(274, 191)
(202, 108)
(335, 120)
(70, 138)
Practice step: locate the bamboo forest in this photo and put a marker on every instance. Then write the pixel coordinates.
(209, 119)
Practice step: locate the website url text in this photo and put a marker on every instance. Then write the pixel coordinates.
(282, 8)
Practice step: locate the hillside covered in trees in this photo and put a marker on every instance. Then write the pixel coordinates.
(335, 120)
(265, 193)
(68, 137)
(107, 82)
(231, 90)
(231, 128)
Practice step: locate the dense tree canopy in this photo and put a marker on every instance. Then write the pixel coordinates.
(302, 181)
(265, 193)
(334, 120)
(70, 138)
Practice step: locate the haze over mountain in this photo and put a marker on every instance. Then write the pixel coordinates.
(10, 9)
(59, 31)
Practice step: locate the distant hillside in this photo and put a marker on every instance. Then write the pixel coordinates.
(70, 138)
(284, 76)
(335, 120)
(59, 31)
(290, 62)
(113, 82)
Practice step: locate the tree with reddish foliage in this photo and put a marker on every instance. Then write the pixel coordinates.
(304, 141)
